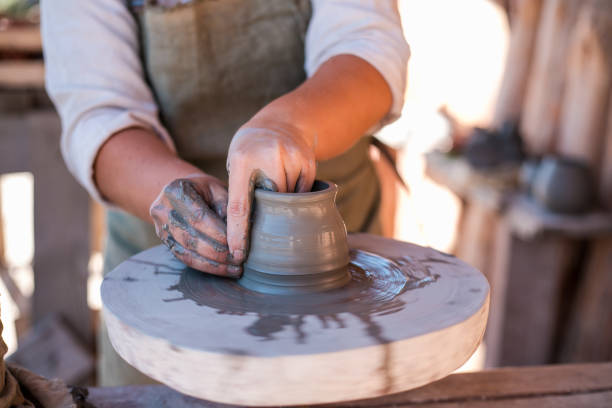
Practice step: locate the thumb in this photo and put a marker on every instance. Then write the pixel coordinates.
(240, 197)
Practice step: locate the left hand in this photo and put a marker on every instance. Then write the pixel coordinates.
(271, 156)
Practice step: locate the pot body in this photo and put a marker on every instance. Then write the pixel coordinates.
(563, 185)
(298, 242)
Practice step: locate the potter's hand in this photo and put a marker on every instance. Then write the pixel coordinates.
(189, 216)
(275, 158)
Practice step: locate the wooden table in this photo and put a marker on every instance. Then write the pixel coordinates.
(575, 385)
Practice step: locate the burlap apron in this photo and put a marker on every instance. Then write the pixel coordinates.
(212, 64)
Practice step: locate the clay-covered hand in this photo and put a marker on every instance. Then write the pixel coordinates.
(189, 216)
(274, 158)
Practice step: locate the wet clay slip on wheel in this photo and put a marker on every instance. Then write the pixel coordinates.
(406, 316)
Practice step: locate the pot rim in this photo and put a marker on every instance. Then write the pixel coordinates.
(328, 192)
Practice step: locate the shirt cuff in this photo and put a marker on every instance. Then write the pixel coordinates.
(80, 145)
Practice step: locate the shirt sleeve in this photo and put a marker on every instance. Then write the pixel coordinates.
(95, 78)
(369, 29)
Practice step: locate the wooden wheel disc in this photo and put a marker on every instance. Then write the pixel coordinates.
(409, 316)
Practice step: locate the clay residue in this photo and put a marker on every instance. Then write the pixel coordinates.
(374, 289)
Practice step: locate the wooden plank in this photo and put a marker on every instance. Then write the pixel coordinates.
(489, 188)
(537, 271)
(475, 243)
(22, 38)
(529, 220)
(20, 74)
(605, 185)
(591, 400)
(61, 231)
(589, 77)
(580, 385)
(540, 114)
(500, 259)
(525, 16)
(589, 334)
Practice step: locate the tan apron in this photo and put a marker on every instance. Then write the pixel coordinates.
(212, 64)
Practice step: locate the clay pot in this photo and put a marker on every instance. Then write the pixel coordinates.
(563, 185)
(298, 242)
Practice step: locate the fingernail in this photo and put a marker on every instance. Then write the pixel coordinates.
(234, 271)
(238, 255)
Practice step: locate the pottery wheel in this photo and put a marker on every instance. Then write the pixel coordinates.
(410, 315)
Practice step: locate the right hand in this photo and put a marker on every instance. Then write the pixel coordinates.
(190, 218)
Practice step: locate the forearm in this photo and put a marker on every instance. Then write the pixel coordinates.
(133, 166)
(333, 108)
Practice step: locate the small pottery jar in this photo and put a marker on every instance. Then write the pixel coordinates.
(563, 185)
(298, 242)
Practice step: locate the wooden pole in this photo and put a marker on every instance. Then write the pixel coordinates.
(524, 19)
(589, 76)
(546, 83)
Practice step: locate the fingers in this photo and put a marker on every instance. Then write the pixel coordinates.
(191, 202)
(188, 219)
(270, 159)
(306, 177)
(240, 195)
(219, 200)
(201, 263)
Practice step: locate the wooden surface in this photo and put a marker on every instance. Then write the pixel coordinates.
(589, 333)
(537, 272)
(562, 386)
(21, 74)
(528, 220)
(490, 188)
(313, 355)
(23, 39)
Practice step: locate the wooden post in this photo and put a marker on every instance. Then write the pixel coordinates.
(546, 83)
(536, 274)
(589, 334)
(589, 76)
(605, 184)
(524, 20)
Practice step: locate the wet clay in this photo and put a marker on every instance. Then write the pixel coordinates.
(374, 286)
(298, 243)
(409, 315)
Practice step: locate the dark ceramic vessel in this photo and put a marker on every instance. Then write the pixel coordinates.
(563, 185)
(298, 242)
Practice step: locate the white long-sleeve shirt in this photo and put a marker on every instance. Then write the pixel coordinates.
(94, 74)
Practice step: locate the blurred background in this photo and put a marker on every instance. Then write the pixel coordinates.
(505, 146)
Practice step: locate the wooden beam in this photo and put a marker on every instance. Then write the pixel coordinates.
(28, 74)
(579, 385)
(22, 39)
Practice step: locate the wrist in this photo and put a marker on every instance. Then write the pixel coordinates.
(286, 122)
